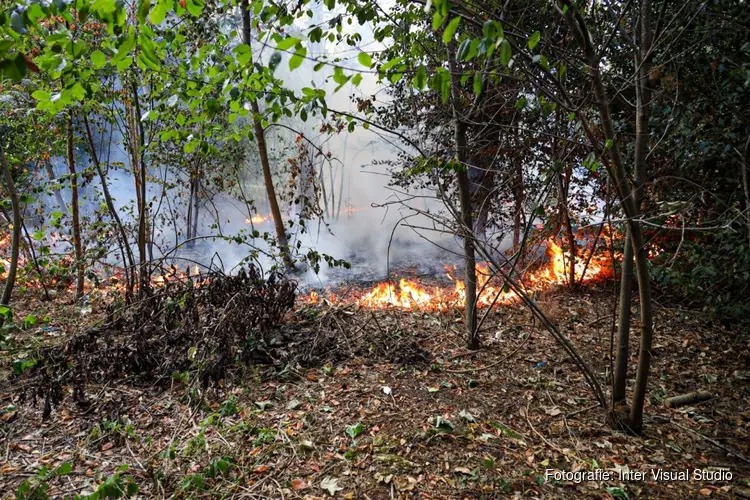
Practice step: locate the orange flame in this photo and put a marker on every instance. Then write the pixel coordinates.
(409, 294)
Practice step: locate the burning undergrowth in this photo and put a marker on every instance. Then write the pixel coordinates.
(199, 328)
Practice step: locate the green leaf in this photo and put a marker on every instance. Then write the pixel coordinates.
(437, 20)
(477, 83)
(463, 49)
(195, 7)
(64, 469)
(296, 60)
(354, 430)
(274, 61)
(505, 52)
(29, 321)
(534, 40)
(420, 78)
(390, 64)
(450, 30)
(357, 79)
(98, 59)
(143, 7)
(41, 95)
(159, 12)
(365, 59)
(287, 43)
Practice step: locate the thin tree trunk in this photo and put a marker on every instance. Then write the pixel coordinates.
(518, 208)
(464, 194)
(643, 101)
(56, 190)
(622, 349)
(143, 273)
(123, 237)
(746, 185)
(641, 149)
(189, 217)
(263, 153)
(195, 207)
(617, 171)
(74, 211)
(16, 235)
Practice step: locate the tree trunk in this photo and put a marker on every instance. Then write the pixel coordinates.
(144, 278)
(622, 349)
(194, 222)
(746, 185)
(643, 98)
(130, 263)
(464, 194)
(16, 235)
(74, 211)
(518, 195)
(618, 173)
(260, 138)
(643, 101)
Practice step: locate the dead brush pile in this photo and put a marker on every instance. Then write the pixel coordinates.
(205, 328)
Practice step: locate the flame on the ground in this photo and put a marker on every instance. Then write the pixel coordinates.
(257, 219)
(491, 290)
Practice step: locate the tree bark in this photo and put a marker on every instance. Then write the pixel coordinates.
(464, 194)
(16, 235)
(260, 139)
(75, 211)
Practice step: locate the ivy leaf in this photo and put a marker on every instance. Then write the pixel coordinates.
(331, 485)
(534, 40)
(365, 59)
(450, 30)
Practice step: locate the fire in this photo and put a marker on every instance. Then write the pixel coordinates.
(491, 290)
(257, 219)
(176, 274)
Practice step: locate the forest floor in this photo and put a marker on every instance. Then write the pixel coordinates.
(403, 411)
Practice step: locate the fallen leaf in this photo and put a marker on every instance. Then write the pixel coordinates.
(261, 469)
(299, 484)
(331, 485)
(404, 483)
(463, 470)
(108, 446)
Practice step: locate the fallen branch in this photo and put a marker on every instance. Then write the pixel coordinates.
(687, 399)
(715, 443)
